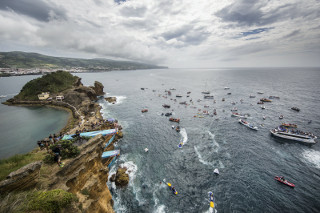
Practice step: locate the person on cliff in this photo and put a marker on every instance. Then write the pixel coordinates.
(57, 155)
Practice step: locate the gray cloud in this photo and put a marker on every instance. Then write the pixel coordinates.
(293, 33)
(130, 11)
(252, 13)
(37, 9)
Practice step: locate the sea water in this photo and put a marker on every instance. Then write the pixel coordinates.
(247, 160)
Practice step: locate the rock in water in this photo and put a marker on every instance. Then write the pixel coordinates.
(122, 178)
(98, 88)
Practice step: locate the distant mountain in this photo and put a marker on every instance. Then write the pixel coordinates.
(34, 60)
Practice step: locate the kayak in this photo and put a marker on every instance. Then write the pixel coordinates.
(172, 189)
(211, 199)
(180, 144)
(284, 181)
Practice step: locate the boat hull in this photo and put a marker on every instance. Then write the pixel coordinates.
(292, 138)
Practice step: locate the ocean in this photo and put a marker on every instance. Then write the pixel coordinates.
(247, 160)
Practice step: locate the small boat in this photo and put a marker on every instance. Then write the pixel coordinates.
(172, 127)
(295, 109)
(223, 99)
(211, 199)
(252, 96)
(264, 117)
(188, 92)
(284, 181)
(235, 114)
(289, 125)
(168, 114)
(183, 102)
(273, 97)
(172, 89)
(247, 124)
(234, 109)
(172, 188)
(265, 100)
(208, 97)
(206, 92)
(260, 93)
(142, 88)
(260, 102)
(178, 128)
(3, 96)
(227, 88)
(146, 149)
(166, 106)
(281, 116)
(174, 120)
(263, 107)
(181, 144)
(144, 110)
(216, 171)
(206, 106)
(229, 93)
(179, 96)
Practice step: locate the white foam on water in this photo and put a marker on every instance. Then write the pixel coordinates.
(200, 157)
(160, 209)
(216, 145)
(120, 100)
(313, 157)
(184, 135)
(132, 170)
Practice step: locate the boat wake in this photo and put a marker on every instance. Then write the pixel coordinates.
(313, 157)
(184, 136)
(215, 143)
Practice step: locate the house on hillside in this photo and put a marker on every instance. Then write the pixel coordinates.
(44, 96)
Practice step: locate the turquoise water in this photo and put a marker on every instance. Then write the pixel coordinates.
(22, 127)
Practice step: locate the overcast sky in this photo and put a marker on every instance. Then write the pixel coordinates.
(175, 33)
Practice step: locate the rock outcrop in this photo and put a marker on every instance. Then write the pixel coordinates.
(122, 178)
(98, 88)
(21, 179)
(111, 99)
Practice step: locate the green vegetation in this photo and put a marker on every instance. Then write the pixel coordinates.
(68, 150)
(35, 60)
(16, 162)
(49, 201)
(54, 83)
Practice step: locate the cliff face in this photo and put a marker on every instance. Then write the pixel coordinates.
(86, 177)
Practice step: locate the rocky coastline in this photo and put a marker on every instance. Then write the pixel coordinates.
(84, 176)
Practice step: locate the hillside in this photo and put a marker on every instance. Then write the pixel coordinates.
(54, 83)
(35, 60)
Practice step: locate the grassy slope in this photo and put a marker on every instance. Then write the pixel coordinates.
(54, 83)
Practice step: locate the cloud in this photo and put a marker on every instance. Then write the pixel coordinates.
(174, 33)
(37, 9)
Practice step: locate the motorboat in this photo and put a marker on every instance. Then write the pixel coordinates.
(265, 100)
(284, 181)
(144, 110)
(260, 93)
(229, 93)
(227, 88)
(263, 107)
(208, 97)
(174, 120)
(247, 124)
(281, 116)
(205, 92)
(168, 114)
(274, 97)
(295, 109)
(166, 106)
(294, 135)
(235, 114)
(252, 96)
(179, 96)
(289, 125)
